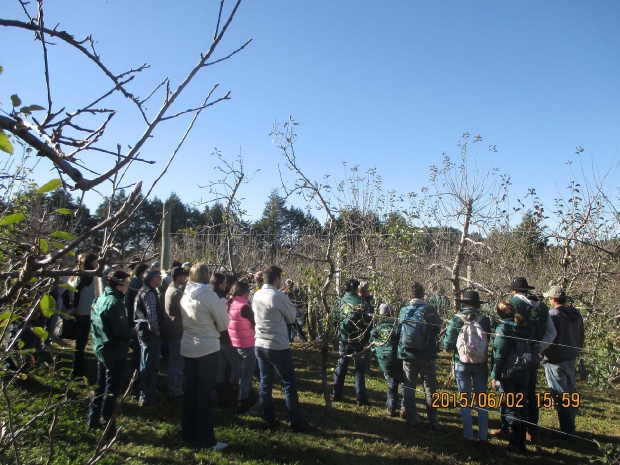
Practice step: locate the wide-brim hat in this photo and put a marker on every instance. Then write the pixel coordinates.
(470, 297)
(520, 284)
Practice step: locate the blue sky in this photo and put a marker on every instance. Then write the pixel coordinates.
(385, 84)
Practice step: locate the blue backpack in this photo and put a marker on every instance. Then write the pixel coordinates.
(414, 334)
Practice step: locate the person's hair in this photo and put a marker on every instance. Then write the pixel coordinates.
(175, 263)
(86, 260)
(473, 315)
(140, 269)
(238, 289)
(117, 278)
(417, 290)
(560, 300)
(230, 281)
(351, 285)
(200, 273)
(216, 281)
(272, 273)
(150, 275)
(505, 309)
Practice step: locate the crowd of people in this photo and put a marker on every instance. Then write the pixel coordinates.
(217, 332)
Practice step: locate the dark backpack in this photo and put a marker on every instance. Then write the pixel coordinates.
(414, 334)
(352, 322)
(520, 359)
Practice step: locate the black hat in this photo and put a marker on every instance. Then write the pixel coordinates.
(520, 284)
(179, 271)
(471, 297)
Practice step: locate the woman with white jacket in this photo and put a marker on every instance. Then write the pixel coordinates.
(204, 317)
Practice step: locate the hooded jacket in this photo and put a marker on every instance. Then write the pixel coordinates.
(385, 337)
(454, 329)
(536, 315)
(570, 332)
(505, 335)
(204, 317)
(111, 332)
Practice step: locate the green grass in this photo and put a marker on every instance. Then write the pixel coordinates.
(349, 435)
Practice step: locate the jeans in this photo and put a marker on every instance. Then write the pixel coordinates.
(516, 407)
(109, 381)
(175, 368)
(197, 418)
(149, 364)
(341, 371)
(83, 331)
(229, 354)
(466, 374)
(428, 372)
(393, 383)
(248, 362)
(561, 379)
(280, 362)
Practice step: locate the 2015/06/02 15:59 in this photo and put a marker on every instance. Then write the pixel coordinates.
(496, 399)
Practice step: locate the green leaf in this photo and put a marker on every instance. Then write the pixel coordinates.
(15, 100)
(30, 108)
(49, 186)
(14, 218)
(64, 235)
(1, 69)
(40, 332)
(48, 305)
(64, 211)
(43, 245)
(58, 245)
(7, 318)
(68, 286)
(5, 143)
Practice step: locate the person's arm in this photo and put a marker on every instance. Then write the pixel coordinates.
(501, 345)
(117, 322)
(248, 314)
(287, 308)
(150, 302)
(549, 334)
(219, 312)
(452, 334)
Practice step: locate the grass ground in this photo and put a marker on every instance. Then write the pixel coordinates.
(349, 435)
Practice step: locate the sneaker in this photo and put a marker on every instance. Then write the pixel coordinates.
(500, 433)
(363, 403)
(218, 446)
(302, 427)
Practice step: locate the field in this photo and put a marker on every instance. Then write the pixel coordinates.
(350, 435)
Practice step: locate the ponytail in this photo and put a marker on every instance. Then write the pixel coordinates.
(519, 319)
(472, 316)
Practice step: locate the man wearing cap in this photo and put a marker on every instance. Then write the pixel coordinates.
(173, 311)
(536, 315)
(560, 358)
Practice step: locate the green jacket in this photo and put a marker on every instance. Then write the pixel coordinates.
(355, 316)
(505, 335)
(536, 313)
(111, 332)
(385, 337)
(454, 328)
(433, 326)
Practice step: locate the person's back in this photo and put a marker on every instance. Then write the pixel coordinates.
(570, 335)
(273, 311)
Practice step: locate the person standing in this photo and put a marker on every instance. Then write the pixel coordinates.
(420, 326)
(82, 304)
(149, 316)
(560, 358)
(512, 331)
(173, 296)
(468, 336)
(536, 315)
(204, 318)
(110, 258)
(273, 311)
(354, 330)
(135, 285)
(111, 338)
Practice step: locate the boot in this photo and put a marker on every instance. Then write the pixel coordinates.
(232, 393)
(221, 393)
(514, 437)
(243, 406)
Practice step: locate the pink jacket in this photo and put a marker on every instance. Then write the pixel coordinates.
(240, 329)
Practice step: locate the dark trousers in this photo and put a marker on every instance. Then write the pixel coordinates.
(83, 331)
(341, 371)
(109, 381)
(532, 408)
(136, 352)
(197, 418)
(516, 408)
